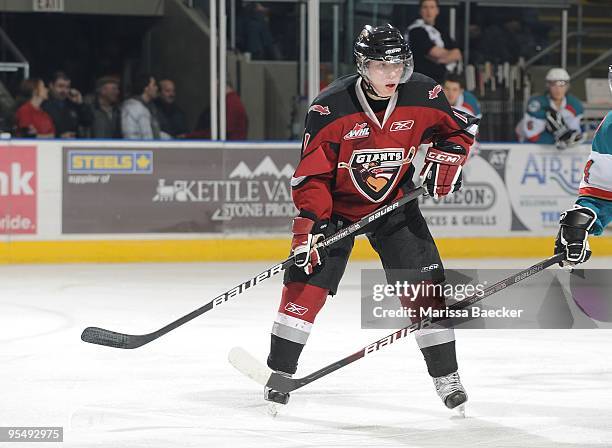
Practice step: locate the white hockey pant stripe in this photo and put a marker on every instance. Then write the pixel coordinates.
(291, 328)
(434, 336)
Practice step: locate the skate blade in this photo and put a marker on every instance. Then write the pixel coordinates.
(273, 409)
(460, 410)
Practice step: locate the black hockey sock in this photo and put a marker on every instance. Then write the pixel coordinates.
(440, 359)
(284, 354)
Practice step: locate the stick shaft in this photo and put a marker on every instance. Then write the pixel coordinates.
(109, 338)
(284, 384)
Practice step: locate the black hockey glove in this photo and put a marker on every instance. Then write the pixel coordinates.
(572, 238)
(568, 138)
(555, 122)
(563, 135)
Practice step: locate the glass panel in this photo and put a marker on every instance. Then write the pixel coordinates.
(267, 53)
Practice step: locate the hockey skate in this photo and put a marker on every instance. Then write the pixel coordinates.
(275, 397)
(451, 391)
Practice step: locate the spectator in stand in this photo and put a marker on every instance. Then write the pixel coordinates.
(172, 119)
(435, 53)
(30, 120)
(255, 36)
(554, 118)
(106, 112)
(138, 114)
(463, 101)
(458, 97)
(65, 106)
(237, 122)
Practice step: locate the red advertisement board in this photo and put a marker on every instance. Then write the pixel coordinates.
(17, 190)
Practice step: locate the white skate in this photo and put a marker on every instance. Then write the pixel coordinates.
(451, 391)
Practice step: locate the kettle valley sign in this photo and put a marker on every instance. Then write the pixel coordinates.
(261, 192)
(186, 190)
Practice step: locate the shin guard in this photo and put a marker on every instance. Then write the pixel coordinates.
(300, 304)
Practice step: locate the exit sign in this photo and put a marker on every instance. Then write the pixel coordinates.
(48, 5)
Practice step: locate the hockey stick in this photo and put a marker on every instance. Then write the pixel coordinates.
(100, 336)
(249, 366)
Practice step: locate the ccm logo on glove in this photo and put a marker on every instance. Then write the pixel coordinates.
(443, 157)
(441, 173)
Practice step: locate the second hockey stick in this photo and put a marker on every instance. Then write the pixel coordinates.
(101, 336)
(252, 368)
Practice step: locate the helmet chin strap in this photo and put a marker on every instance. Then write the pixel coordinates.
(369, 88)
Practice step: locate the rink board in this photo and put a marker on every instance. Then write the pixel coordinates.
(96, 251)
(116, 201)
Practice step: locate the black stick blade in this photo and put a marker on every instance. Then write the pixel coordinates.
(282, 383)
(100, 336)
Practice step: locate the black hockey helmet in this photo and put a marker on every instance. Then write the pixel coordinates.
(382, 43)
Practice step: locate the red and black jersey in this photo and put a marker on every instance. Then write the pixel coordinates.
(353, 160)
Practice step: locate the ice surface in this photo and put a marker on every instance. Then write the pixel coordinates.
(527, 388)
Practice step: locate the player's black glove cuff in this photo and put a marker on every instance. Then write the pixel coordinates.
(567, 138)
(572, 238)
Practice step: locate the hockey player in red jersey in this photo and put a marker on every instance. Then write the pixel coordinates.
(361, 135)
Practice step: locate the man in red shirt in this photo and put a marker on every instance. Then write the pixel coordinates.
(236, 119)
(361, 135)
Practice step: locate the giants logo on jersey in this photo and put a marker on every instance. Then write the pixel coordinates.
(401, 125)
(361, 130)
(375, 172)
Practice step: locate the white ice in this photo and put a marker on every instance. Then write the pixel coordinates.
(527, 388)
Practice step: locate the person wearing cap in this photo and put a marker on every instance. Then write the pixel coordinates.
(554, 118)
(106, 112)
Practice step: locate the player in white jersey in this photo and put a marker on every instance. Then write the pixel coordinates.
(592, 211)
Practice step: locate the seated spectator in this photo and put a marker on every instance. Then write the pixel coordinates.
(434, 51)
(462, 100)
(30, 120)
(66, 108)
(237, 121)
(554, 118)
(172, 119)
(458, 97)
(106, 112)
(138, 114)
